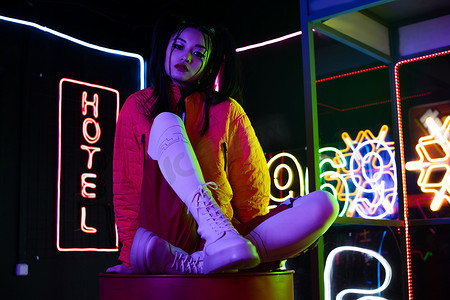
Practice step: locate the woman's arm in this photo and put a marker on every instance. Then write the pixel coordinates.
(127, 177)
(248, 172)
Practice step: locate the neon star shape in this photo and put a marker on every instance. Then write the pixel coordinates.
(434, 165)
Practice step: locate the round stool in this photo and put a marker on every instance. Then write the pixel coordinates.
(240, 285)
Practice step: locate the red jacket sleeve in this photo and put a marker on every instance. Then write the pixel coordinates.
(127, 177)
(248, 173)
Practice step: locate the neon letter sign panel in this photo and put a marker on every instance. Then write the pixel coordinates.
(87, 118)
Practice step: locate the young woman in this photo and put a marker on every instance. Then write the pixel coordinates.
(188, 168)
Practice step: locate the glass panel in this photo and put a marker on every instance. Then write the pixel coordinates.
(356, 142)
(424, 90)
(362, 262)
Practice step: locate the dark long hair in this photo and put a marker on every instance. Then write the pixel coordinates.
(222, 59)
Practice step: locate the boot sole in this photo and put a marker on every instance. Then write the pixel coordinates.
(237, 257)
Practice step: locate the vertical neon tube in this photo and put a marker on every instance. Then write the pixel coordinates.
(403, 163)
(404, 190)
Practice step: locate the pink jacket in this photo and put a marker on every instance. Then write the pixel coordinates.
(229, 154)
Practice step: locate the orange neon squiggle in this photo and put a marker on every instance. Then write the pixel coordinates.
(83, 226)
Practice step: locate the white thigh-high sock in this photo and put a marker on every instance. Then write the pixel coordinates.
(170, 146)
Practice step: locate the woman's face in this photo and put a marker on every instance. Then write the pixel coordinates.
(186, 57)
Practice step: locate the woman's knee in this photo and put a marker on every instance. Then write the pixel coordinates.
(166, 118)
(165, 125)
(323, 203)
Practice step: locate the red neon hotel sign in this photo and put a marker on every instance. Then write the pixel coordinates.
(85, 220)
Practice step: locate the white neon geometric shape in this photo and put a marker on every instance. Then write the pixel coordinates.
(370, 293)
(384, 197)
(427, 165)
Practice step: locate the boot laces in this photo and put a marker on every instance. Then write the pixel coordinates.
(186, 264)
(208, 206)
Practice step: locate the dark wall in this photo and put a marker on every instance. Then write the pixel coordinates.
(32, 64)
(273, 94)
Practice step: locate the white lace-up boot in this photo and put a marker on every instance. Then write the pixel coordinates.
(224, 249)
(150, 254)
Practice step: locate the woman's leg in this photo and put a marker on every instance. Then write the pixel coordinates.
(293, 229)
(283, 233)
(170, 147)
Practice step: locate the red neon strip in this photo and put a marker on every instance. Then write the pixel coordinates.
(351, 73)
(370, 104)
(415, 96)
(355, 107)
(405, 194)
(402, 160)
(406, 61)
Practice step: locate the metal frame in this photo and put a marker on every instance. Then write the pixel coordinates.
(309, 20)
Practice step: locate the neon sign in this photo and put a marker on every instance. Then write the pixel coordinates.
(292, 177)
(433, 165)
(363, 175)
(84, 109)
(330, 177)
(370, 292)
